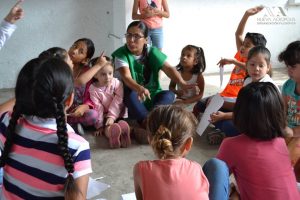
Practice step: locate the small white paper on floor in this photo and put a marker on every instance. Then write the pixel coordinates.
(129, 196)
(214, 105)
(95, 188)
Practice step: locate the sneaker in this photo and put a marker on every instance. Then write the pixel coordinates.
(140, 135)
(215, 137)
(125, 135)
(114, 133)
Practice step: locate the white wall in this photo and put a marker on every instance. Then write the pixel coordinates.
(212, 24)
(209, 24)
(49, 23)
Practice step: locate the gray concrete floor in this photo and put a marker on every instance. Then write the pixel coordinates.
(116, 165)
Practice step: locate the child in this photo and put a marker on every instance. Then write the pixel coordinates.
(238, 74)
(81, 111)
(32, 172)
(258, 158)
(192, 65)
(258, 66)
(291, 95)
(107, 96)
(172, 176)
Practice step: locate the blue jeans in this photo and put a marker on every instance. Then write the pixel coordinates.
(217, 173)
(1, 176)
(137, 110)
(156, 37)
(227, 127)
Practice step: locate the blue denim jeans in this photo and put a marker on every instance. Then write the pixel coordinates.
(227, 127)
(217, 173)
(1, 176)
(137, 110)
(156, 37)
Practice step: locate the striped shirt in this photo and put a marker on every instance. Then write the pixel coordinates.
(35, 169)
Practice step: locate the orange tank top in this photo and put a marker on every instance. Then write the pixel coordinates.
(236, 80)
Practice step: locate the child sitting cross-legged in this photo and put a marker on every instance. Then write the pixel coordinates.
(106, 92)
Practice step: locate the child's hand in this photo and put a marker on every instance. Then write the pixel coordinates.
(225, 61)
(179, 93)
(79, 111)
(15, 13)
(255, 10)
(101, 60)
(109, 121)
(217, 116)
(143, 94)
(288, 132)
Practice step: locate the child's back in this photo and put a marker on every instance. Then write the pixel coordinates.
(172, 176)
(252, 156)
(172, 179)
(41, 153)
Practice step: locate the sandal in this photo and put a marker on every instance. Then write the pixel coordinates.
(125, 135)
(215, 138)
(114, 133)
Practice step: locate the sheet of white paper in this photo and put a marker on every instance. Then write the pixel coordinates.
(95, 188)
(214, 105)
(221, 75)
(129, 196)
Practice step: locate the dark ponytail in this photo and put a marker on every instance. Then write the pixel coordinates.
(10, 135)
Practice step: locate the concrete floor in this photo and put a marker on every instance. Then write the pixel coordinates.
(116, 165)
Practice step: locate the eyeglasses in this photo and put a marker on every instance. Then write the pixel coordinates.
(135, 37)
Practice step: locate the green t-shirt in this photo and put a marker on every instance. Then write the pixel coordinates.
(156, 59)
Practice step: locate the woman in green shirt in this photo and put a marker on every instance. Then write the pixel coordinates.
(139, 66)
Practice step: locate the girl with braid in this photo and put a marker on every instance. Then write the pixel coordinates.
(139, 66)
(172, 176)
(42, 156)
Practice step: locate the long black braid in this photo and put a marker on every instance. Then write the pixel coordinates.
(52, 88)
(10, 135)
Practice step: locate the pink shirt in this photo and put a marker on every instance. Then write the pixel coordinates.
(179, 179)
(151, 22)
(108, 100)
(262, 168)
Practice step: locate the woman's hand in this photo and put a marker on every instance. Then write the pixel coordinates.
(143, 94)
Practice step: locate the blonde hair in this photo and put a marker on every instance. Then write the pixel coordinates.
(170, 126)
